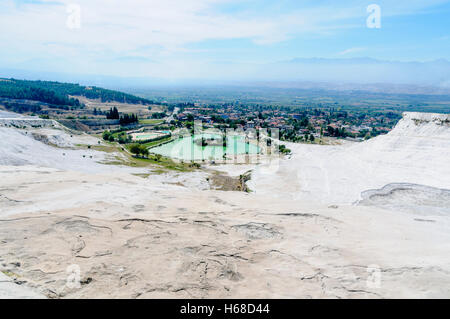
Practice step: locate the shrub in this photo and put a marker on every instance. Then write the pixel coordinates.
(124, 138)
(135, 149)
(138, 149)
(106, 135)
(283, 149)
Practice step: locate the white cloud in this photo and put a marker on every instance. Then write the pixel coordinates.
(124, 25)
(160, 30)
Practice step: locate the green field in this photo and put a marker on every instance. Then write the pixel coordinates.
(150, 121)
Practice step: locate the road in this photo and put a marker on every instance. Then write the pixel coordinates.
(171, 117)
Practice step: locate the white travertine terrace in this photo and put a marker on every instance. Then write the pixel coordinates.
(416, 151)
(298, 235)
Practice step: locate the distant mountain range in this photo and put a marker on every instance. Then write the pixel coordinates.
(362, 73)
(367, 71)
(387, 88)
(362, 60)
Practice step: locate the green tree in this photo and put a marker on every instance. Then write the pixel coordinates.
(144, 151)
(138, 150)
(124, 138)
(135, 149)
(106, 135)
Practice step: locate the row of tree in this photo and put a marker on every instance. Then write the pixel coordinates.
(113, 114)
(128, 119)
(159, 115)
(336, 132)
(125, 119)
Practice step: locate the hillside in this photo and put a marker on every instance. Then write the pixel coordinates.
(61, 94)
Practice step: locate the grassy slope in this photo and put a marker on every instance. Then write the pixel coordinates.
(160, 164)
(151, 121)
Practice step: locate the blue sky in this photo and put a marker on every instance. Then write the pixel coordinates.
(213, 39)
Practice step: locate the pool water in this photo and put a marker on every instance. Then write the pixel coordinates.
(186, 149)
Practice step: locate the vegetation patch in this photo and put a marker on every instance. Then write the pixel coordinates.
(150, 121)
(10, 274)
(284, 150)
(136, 155)
(158, 142)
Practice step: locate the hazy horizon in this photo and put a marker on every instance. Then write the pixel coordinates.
(402, 77)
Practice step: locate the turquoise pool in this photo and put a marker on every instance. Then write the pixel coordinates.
(186, 149)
